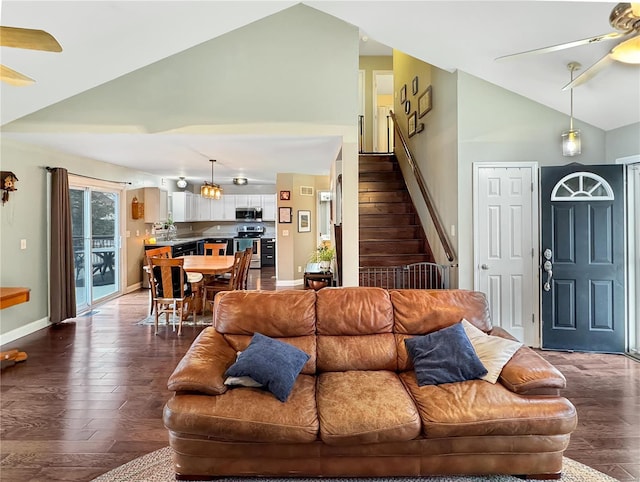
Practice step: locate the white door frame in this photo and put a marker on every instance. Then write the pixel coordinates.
(535, 234)
(632, 250)
(374, 107)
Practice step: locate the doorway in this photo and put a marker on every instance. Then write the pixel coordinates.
(382, 97)
(95, 225)
(633, 252)
(583, 296)
(505, 219)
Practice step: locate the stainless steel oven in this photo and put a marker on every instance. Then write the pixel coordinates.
(240, 244)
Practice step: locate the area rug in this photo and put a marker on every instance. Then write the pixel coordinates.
(201, 320)
(157, 467)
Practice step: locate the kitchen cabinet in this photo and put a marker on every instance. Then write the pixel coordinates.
(155, 205)
(248, 200)
(205, 207)
(229, 207)
(268, 207)
(182, 207)
(268, 252)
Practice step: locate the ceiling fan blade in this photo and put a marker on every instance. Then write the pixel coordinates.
(26, 38)
(576, 43)
(591, 72)
(12, 77)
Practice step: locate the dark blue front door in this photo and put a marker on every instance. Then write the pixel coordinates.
(582, 275)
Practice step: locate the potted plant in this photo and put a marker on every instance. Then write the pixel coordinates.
(323, 255)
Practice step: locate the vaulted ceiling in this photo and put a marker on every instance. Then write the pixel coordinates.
(104, 40)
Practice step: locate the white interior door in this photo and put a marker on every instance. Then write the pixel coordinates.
(506, 241)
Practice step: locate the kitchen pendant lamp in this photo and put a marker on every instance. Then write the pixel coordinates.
(571, 145)
(211, 190)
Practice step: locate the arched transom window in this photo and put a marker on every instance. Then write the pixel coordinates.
(582, 186)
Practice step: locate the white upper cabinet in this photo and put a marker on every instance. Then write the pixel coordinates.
(268, 207)
(155, 205)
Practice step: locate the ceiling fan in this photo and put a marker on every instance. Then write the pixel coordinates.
(24, 38)
(625, 18)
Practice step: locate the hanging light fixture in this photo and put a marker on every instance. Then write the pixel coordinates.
(210, 189)
(571, 145)
(181, 183)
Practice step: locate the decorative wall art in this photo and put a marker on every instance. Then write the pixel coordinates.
(284, 215)
(304, 221)
(285, 195)
(425, 102)
(413, 124)
(407, 107)
(414, 85)
(403, 94)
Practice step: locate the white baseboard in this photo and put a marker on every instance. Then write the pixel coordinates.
(24, 330)
(290, 282)
(132, 288)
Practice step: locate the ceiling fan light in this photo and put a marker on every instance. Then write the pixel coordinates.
(182, 183)
(628, 51)
(571, 143)
(241, 181)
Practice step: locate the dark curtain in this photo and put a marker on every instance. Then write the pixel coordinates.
(62, 280)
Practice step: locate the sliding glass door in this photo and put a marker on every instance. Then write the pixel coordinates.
(95, 225)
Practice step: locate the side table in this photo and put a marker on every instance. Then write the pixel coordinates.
(317, 281)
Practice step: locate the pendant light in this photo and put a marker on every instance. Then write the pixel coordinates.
(211, 190)
(571, 145)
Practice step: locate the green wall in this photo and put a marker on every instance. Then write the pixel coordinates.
(623, 142)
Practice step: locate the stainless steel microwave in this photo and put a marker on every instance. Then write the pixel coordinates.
(248, 214)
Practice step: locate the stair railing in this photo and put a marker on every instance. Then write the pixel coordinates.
(442, 235)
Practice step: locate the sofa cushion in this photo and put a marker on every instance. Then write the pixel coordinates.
(444, 356)
(355, 330)
(475, 407)
(278, 314)
(248, 415)
(418, 312)
(494, 352)
(272, 363)
(363, 407)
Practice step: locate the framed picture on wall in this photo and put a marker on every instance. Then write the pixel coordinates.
(403, 94)
(285, 195)
(413, 124)
(414, 85)
(424, 102)
(284, 215)
(304, 221)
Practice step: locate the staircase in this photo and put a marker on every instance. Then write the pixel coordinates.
(390, 231)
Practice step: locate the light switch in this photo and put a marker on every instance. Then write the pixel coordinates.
(137, 233)
(285, 232)
(23, 244)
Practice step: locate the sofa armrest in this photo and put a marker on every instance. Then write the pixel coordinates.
(203, 366)
(527, 373)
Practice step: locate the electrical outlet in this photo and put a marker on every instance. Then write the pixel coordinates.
(137, 233)
(146, 232)
(453, 230)
(285, 232)
(128, 234)
(23, 244)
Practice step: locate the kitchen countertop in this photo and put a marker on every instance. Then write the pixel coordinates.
(195, 239)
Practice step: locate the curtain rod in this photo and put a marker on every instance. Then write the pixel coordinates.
(49, 169)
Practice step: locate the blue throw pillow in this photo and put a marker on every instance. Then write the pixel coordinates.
(444, 356)
(272, 363)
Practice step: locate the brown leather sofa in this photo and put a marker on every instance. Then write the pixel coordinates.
(355, 409)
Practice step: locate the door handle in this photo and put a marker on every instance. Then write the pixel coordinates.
(548, 267)
(485, 266)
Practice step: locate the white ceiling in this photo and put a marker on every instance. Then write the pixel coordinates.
(104, 40)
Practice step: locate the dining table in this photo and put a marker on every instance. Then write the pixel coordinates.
(207, 265)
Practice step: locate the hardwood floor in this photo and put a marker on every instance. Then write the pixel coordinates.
(90, 397)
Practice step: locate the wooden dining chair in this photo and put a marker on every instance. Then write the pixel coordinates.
(215, 249)
(216, 285)
(172, 290)
(163, 252)
(246, 265)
